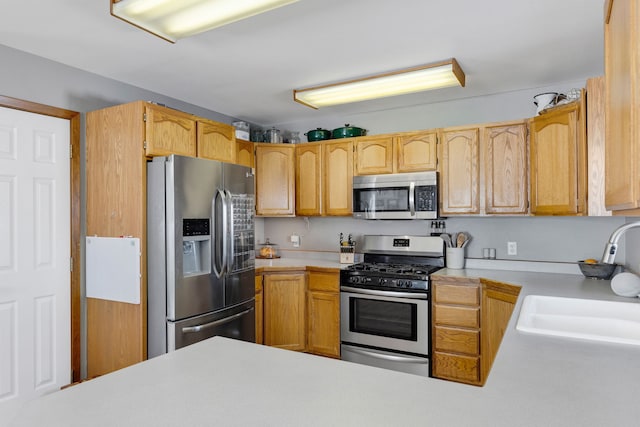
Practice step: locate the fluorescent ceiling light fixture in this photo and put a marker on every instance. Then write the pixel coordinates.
(416, 79)
(175, 19)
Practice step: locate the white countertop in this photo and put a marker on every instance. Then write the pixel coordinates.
(298, 262)
(535, 381)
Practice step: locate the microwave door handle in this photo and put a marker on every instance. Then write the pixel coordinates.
(412, 199)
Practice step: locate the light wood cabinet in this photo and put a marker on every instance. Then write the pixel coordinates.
(167, 131)
(216, 141)
(396, 153)
(374, 155)
(416, 151)
(504, 164)
(337, 180)
(484, 169)
(622, 108)
(284, 297)
(275, 179)
(460, 167)
(244, 153)
(324, 175)
(309, 179)
(259, 311)
(470, 317)
(323, 327)
(558, 161)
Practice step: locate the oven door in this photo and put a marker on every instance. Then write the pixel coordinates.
(390, 320)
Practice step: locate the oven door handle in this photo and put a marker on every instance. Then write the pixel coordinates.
(388, 357)
(408, 295)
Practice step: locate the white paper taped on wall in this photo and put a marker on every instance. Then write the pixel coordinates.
(113, 268)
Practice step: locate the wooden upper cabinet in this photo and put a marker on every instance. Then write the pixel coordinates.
(374, 155)
(338, 177)
(558, 162)
(504, 149)
(244, 153)
(275, 179)
(169, 132)
(308, 179)
(216, 141)
(459, 183)
(622, 107)
(417, 151)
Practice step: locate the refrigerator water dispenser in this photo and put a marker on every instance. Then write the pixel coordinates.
(196, 247)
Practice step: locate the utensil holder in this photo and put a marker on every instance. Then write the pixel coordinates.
(455, 258)
(347, 254)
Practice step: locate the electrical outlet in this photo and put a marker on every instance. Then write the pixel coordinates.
(295, 239)
(512, 248)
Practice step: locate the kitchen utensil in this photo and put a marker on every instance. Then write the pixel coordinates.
(318, 134)
(461, 239)
(545, 100)
(597, 270)
(294, 137)
(447, 240)
(348, 131)
(272, 135)
(626, 285)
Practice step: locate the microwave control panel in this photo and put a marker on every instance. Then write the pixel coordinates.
(426, 197)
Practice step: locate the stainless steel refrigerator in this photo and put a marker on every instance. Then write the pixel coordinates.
(201, 252)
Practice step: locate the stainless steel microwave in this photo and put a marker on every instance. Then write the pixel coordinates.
(396, 196)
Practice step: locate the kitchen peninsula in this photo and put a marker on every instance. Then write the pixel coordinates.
(535, 381)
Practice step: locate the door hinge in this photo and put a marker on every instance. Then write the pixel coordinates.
(71, 264)
(144, 117)
(70, 151)
(144, 145)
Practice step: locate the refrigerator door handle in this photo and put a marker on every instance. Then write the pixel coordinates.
(198, 328)
(229, 246)
(220, 233)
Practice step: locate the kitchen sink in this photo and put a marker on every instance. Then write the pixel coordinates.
(595, 320)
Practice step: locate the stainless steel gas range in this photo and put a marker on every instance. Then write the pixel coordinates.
(384, 302)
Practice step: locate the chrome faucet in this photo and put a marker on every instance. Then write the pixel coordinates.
(612, 247)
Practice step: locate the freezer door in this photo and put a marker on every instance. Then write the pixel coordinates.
(235, 322)
(191, 185)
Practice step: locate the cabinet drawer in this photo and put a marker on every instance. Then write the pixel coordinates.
(456, 316)
(456, 294)
(456, 367)
(328, 282)
(457, 340)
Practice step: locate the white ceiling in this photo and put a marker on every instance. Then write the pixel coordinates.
(248, 69)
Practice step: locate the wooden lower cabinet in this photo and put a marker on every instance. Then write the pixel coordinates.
(259, 311)
(299, 310)
(284, 297)
(323, 304)
(469, 319)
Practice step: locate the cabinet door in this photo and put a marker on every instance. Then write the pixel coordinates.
(169, 132)
(275, 180)
(505, 169)
(374, 155)
(323, 299)
(622, 83)
(338, 178)
(244, 153)
(308, 179)
(554, 163)
(285, 311)
(460, 186)
(324, 323)
(259, 311)
(417, 152)
(216, 141)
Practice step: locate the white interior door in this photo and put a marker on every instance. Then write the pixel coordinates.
(35, 319)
